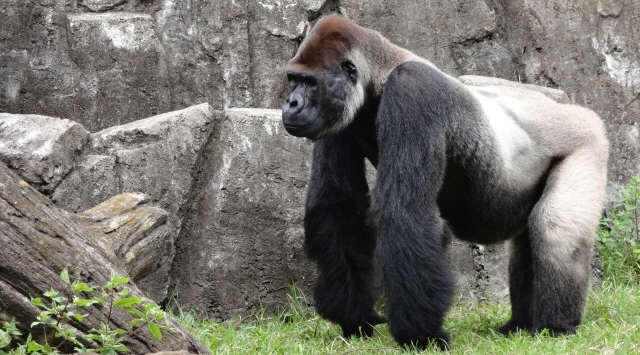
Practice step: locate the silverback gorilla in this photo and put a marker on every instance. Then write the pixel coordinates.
(484, 164)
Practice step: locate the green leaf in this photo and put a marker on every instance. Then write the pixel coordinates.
(155, 331)
(38, 302)
(134, 311)
(120, 280)
(5, 338)
(78, 317)
(51, 293)
(126, 302)
(82, 287)
(85, 302)
(121, 348)
(33, 346)
(64, 275)
(115, 281)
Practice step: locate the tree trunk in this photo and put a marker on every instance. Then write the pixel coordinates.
(38, 240)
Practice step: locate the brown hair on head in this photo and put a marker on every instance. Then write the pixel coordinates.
(330, 38)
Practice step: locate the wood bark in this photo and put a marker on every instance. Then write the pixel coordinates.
(38, 240)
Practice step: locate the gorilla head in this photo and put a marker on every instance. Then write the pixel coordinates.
(326, 79)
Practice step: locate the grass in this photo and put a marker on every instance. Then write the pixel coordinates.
(611, 326)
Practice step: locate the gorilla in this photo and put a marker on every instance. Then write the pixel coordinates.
(483, 164)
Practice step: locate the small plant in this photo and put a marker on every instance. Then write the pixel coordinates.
(57, 310)
(619, 236)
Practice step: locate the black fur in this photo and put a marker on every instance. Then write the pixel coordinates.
(520, 285)
(412, 139)
(337, 237)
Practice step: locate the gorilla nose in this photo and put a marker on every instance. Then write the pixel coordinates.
(293, 104)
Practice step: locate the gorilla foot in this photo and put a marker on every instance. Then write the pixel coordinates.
(364, 328)
(512, 327)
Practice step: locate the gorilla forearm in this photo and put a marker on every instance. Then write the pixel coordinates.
(411, 234)
(337, 236)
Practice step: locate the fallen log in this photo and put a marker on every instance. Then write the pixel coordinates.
(38, 240)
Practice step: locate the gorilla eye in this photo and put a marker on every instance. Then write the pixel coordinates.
(350, 69)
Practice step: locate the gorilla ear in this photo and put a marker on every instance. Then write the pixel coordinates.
(350, 69)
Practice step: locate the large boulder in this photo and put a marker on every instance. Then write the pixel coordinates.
(241, 245)
(159, 156)
(41, 149)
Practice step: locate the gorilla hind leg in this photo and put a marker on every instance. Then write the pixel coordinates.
(520, 285)
(562, 228)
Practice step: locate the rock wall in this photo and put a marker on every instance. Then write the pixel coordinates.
(105, 63)
(108, 62)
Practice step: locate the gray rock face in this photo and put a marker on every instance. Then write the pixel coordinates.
(60, 58)
(97, 69)
(41, 149)
(121, 62)
(158, 156)
(102, 5)
(241, 244)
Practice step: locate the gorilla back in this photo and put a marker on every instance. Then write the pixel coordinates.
(483, 164)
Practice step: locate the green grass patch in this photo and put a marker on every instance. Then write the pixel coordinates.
(611, 326)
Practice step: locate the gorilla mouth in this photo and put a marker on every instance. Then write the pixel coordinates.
(297, 130)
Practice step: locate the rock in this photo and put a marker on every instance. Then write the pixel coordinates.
(102, 5)
(158, 156)
(275, 28)
(610, 8)
(41, 149)
(121, 58)
(491, 278)
(94, 179)
(40, 42)
(475, 80)
(463, 266)
(242, 241)
(446, 34)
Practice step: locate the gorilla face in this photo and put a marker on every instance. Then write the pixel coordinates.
(321, 102)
